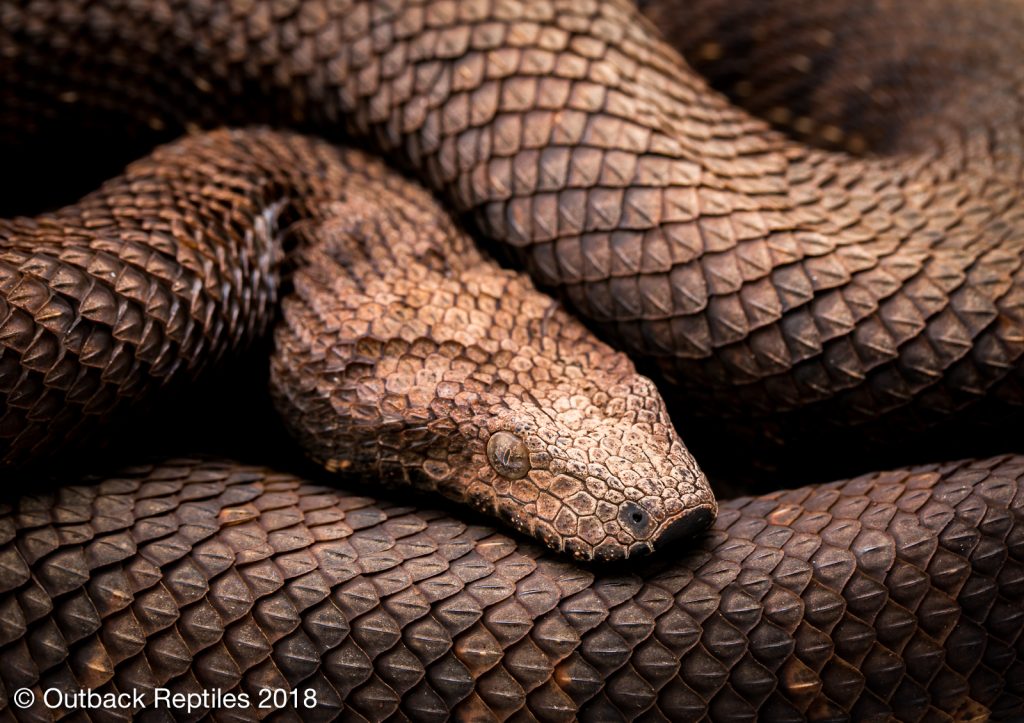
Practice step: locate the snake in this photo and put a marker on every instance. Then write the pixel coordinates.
(762, 271)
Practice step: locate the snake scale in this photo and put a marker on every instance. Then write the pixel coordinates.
(868, 272)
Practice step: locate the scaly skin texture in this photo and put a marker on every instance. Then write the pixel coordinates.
(763, 274)
(875, 76)
(405, 355)
(891, 595)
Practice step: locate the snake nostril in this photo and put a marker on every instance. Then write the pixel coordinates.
(635, 519)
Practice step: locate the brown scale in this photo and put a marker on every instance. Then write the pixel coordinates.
(891, 596)
(762, 274)
(405, 356)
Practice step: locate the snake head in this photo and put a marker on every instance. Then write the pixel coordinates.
(593, 468)
(441, 371)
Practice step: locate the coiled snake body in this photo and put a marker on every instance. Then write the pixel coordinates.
(746, 266)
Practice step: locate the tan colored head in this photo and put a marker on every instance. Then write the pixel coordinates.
(442, 371)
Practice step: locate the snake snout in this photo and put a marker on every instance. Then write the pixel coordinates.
(679, 528)
(684, 527)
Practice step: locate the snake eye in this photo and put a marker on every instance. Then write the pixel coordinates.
(508, 455)
(635, 518)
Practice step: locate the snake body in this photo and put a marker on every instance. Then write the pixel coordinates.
(894, 595)
(760, 273)
(731, 256)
